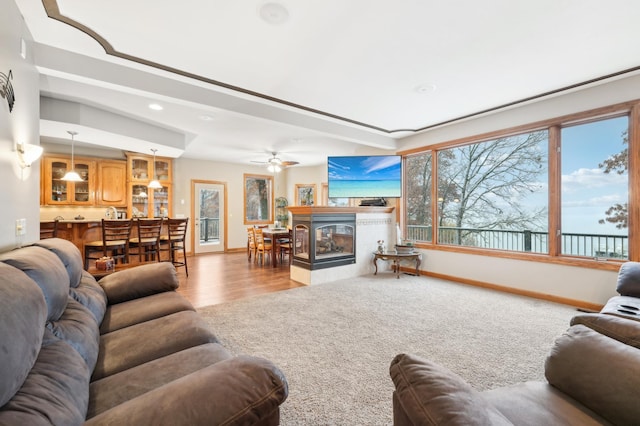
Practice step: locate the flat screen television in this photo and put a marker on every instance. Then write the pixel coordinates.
(365, 176)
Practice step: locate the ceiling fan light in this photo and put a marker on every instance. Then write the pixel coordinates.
(274, 168)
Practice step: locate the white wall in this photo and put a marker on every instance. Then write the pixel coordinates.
(588, 285)
(186, 169)
(20, 189)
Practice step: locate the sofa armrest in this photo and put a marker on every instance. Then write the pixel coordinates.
(239, 390)
(428, 394)
(598, 371)
(139, 281)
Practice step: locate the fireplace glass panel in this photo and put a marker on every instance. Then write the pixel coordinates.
(301, 238)
(333, 240)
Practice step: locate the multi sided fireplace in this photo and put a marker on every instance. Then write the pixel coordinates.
(324, 240)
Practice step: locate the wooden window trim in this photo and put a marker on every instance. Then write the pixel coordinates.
(553, 125)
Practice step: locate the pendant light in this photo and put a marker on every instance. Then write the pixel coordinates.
(154, 184)
(72, 175)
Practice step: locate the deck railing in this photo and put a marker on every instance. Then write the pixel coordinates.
(588, 245)
(209, 229)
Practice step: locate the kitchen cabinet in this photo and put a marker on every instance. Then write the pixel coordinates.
(112, 183)
(145, 201)
(59, 192)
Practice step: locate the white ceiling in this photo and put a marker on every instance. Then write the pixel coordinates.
(334, 77)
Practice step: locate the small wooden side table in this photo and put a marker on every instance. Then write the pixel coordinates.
(397, 258)
(100, 273)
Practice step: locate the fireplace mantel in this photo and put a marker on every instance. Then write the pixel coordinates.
(328, 209)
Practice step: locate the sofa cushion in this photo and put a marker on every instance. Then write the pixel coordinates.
(68, 254)
(91, 296)
(55, 391)
(621, 329)
(147, 308)
(141, 281)
(77, 327)
(121, 387)
(144, 342)
(241, 390)
(629, 279)
(599, 372)
(46, 269)
(434, 395)
(23, 312)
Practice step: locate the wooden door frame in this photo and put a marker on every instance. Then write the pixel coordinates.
(193, 212)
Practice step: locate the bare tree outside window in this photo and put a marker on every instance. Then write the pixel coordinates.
(490, 194)
(493, 194)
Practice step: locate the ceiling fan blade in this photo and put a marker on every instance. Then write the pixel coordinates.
(289, 163)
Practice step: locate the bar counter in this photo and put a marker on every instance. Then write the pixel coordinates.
(79, 231)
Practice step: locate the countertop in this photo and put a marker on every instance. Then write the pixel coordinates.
(75, 220)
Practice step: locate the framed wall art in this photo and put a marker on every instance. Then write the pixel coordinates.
(305, 194)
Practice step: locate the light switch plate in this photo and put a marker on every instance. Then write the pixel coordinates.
(21, 226)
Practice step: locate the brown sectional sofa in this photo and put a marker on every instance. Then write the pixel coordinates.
(126, 350)
(592, 372)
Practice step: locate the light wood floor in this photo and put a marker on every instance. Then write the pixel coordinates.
(218, 278)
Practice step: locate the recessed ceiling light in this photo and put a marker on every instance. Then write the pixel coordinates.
(273, 13)
(156, 107)
(425, 88)
(205, 117)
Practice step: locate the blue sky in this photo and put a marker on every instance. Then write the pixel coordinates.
(587, 191)
(365, 168)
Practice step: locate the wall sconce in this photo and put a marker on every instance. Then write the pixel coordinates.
(28, 153)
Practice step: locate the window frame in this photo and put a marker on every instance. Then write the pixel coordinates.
(553, 126)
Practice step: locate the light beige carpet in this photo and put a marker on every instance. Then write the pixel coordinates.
(334, 341)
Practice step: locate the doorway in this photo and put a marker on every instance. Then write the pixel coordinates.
(209, 210)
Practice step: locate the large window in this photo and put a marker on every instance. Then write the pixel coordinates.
(417, 191)
(560, 190)
(595, 186)
(258, 199)
(494, 194)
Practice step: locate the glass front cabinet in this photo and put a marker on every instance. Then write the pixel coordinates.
(60, 192)
(145, 201)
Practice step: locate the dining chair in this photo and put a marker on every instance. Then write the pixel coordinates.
(147, 241)
(48, 229)
(286, 247)
(115, 241)
(263, 247)
(251, 243)
(175, 241)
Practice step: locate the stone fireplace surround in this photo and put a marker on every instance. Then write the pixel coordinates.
(372, 224)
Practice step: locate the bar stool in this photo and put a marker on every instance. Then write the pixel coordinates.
(115, 240)
(175, 241)
(48, 229)
(147, 242)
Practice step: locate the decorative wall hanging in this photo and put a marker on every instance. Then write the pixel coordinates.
(6, 89)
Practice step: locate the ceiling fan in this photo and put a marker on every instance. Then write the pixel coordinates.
(275, 164)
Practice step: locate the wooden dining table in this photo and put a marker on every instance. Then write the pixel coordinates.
(274, 234)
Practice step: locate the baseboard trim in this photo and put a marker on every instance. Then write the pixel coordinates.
(580, 304)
